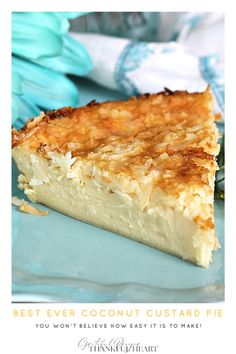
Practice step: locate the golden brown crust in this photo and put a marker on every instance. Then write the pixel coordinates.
(172, 133)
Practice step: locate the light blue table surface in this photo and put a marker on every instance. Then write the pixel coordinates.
(59, 259)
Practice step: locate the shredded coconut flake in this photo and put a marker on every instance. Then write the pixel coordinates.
(27, 208)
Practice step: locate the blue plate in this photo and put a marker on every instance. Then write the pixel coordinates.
(59, 259)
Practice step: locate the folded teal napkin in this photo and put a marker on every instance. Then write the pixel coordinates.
(42, 54)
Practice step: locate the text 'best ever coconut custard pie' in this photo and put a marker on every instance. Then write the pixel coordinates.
(143, 168)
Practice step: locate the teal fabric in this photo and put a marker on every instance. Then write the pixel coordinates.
(55, 89)
(16, 83)
(53, 21)
(42, 54)
(23, 104)
(35, 42)
(66, 63)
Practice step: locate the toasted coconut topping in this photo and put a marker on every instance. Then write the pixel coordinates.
(123, 135)
(166, 141)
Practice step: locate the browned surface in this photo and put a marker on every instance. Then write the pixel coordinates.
(124, 136)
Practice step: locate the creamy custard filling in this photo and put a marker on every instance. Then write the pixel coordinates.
(143, 168)
(60, 184)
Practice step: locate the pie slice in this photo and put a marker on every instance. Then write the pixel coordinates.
(143, 168)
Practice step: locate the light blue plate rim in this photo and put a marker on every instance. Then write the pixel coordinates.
(34, 287)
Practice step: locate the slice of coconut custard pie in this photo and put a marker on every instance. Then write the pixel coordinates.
(143, 168)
